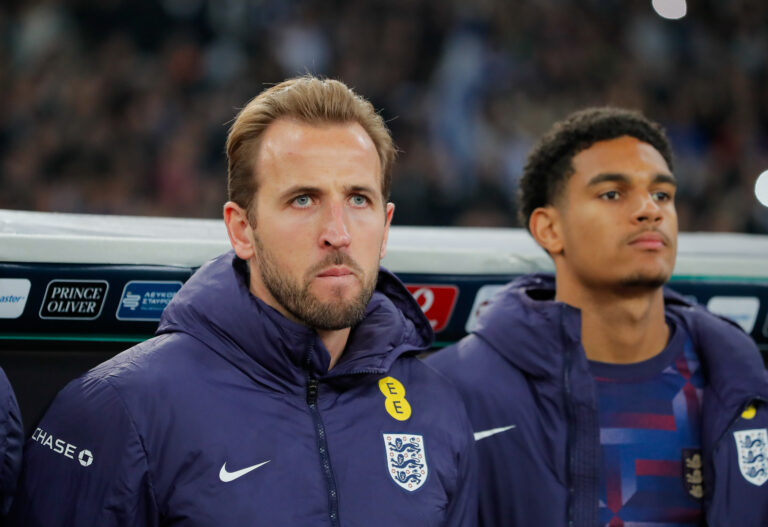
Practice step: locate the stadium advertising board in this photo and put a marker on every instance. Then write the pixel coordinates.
(72, 295)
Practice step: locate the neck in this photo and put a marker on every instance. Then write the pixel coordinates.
(335, 341)
(617, 327)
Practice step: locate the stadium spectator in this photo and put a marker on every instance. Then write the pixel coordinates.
(99, 100)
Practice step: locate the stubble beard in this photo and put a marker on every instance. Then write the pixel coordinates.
(644, 282)
(299, 301)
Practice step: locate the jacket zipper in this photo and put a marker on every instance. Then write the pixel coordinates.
(322, 445)
(569, 437)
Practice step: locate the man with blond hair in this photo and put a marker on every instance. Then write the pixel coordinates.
(282, 387)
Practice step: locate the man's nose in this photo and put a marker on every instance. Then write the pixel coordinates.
(648, 210)
(335, 232)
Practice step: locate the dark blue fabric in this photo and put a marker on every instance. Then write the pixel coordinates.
(225, 381)
(11, 441)
(525, 366)
(650, 418)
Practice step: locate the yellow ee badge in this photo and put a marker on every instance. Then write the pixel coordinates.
(396, 404)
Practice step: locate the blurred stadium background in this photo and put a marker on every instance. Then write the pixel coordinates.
(122, 106)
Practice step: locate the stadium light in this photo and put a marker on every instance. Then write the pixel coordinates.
(670, 9)
(761, 188)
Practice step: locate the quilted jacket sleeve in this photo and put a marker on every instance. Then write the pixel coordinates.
(11, 434)
(85, 464)
(740, 496)
(463, 508)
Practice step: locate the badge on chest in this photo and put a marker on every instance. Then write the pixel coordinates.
(752, 450)
(406, 460)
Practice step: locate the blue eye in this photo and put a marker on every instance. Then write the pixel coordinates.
(302, 201)
(359, 201)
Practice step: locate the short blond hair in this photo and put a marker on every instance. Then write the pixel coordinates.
(308, 99)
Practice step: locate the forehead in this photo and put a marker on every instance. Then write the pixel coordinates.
(293, 150)
(622, 155)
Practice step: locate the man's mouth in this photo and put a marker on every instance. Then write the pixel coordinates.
(649, 240)
(336, 271)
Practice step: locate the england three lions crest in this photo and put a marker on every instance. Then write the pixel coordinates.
(406, 460)
(753, 454)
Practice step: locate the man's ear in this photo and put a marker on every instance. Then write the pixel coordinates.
(239, 230)
(545, 225)
(390, 212)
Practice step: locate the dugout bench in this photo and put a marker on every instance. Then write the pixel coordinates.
(76, 289)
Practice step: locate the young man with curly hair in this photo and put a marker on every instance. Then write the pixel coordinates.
(599, 397)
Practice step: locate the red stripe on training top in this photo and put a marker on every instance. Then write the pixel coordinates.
(645, 421)
(655, 467)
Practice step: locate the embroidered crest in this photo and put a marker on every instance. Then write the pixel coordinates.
(752, 447)
(692, 473)
(406, 460)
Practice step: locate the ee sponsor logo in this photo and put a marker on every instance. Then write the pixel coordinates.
(436, 301)
(395, 402)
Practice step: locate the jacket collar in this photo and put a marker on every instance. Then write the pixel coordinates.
(733, 365)
(216, 307)
(525, 323)
(528, 327)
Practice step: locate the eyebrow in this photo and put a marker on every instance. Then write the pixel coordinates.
(360, 188)
(623, 178)
(298, 190)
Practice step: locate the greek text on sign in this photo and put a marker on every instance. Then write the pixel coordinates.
(436, 301)
(145, 300)
(74, 299)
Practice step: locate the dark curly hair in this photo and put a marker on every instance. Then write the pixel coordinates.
(549, 162)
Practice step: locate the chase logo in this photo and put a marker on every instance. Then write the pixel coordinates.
(74, 299)
(13, 296)
(145, 300)
(62, 447)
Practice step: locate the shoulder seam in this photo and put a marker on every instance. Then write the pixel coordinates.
(139, 436)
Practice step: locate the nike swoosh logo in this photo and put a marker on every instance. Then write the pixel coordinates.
(493, 431)
(226, 476)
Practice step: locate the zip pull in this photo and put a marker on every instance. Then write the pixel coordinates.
(312, 391)
(322, 449)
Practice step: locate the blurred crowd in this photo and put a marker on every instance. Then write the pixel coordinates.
(122, 106)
